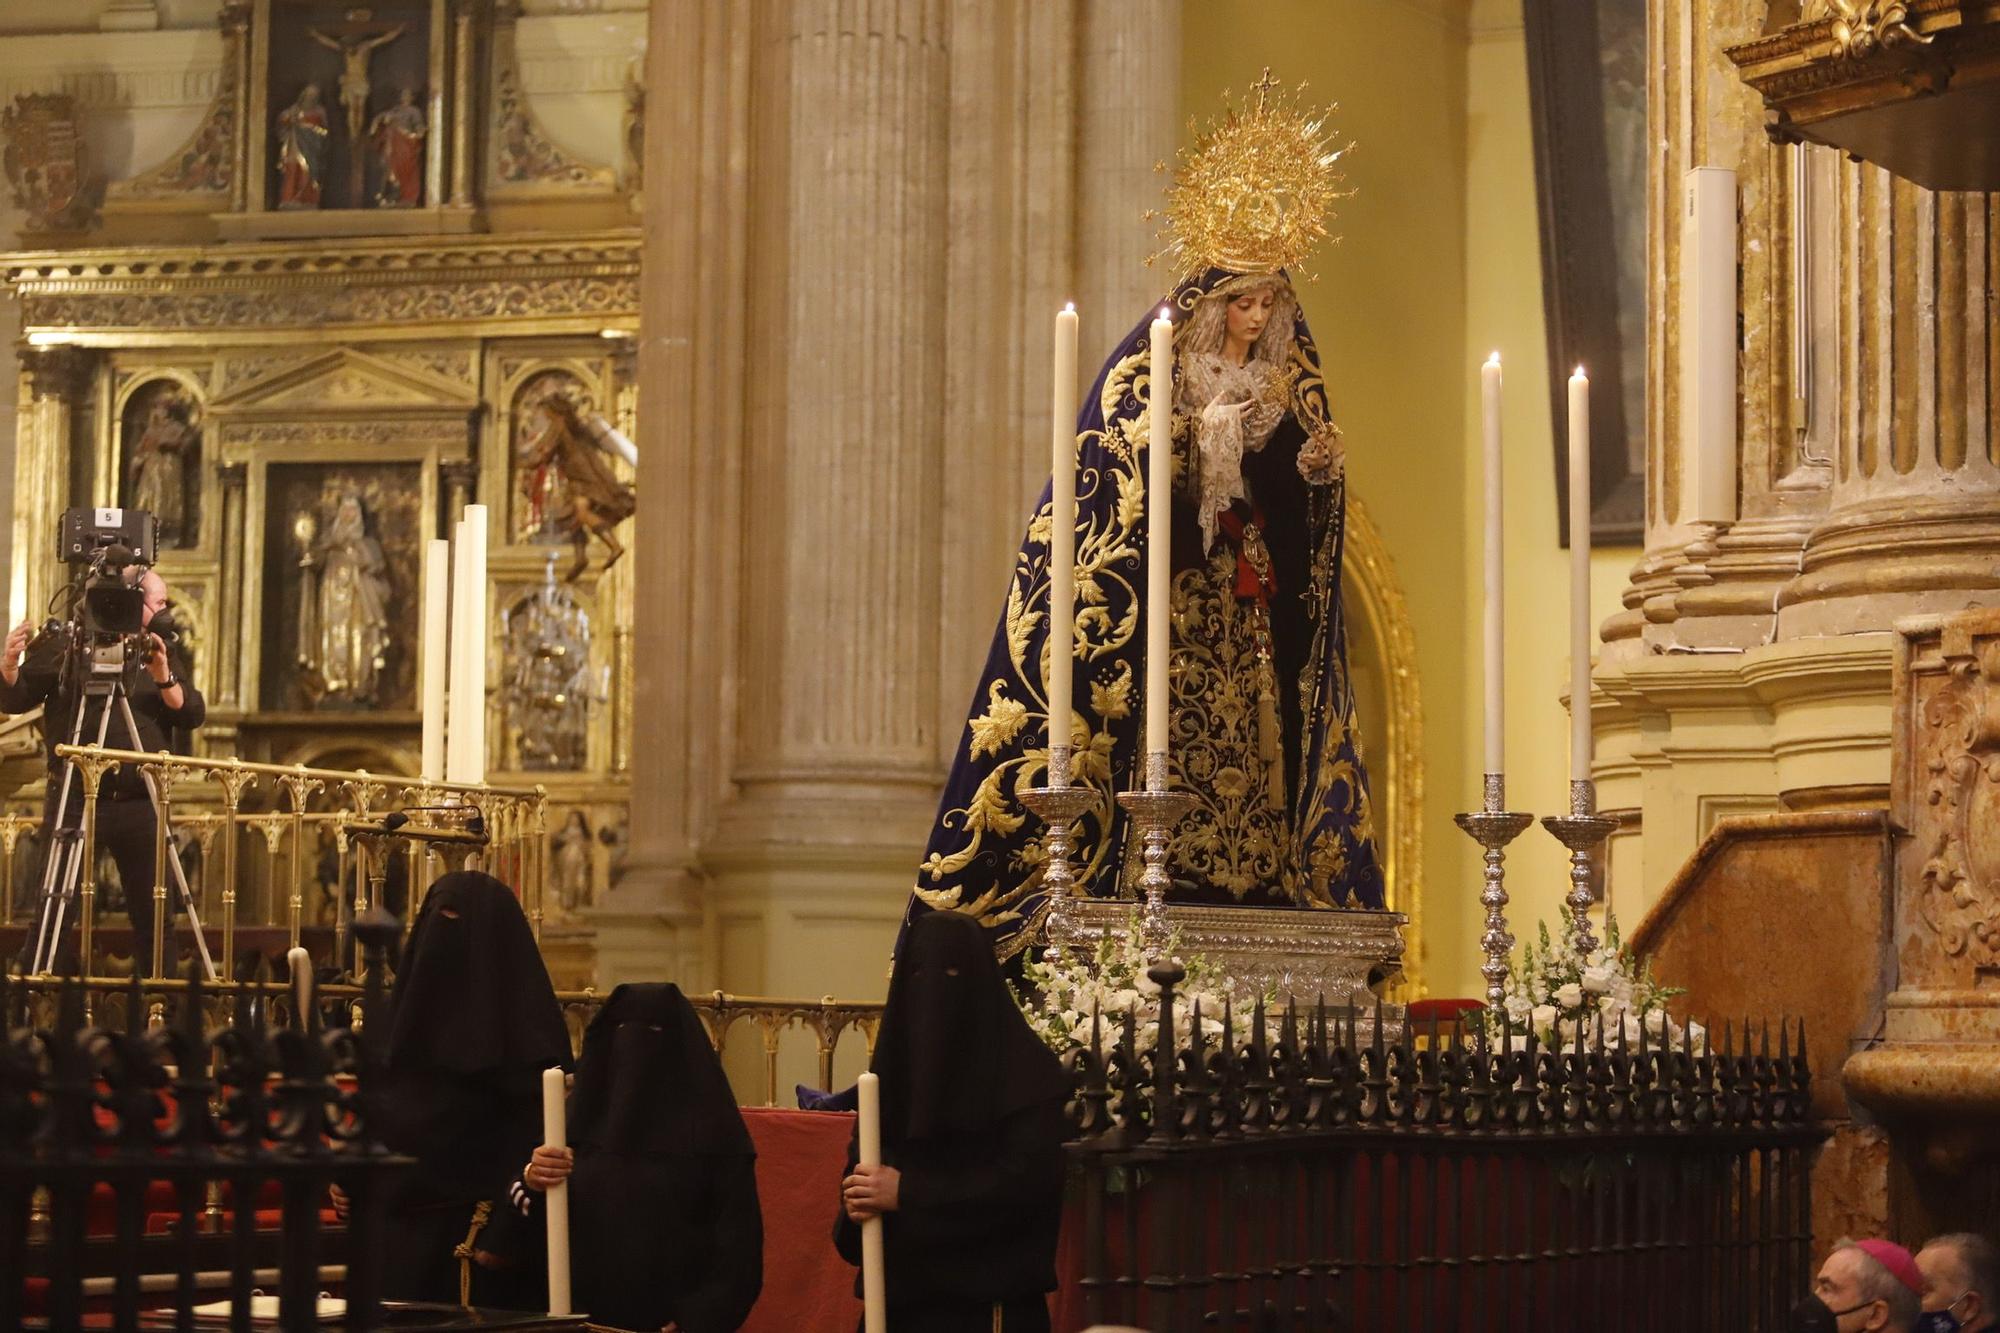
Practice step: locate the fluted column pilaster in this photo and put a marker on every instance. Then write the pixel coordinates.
(1699, 585)
(1913, 524)
(55, 384)
(1128, 105)
(848, 331)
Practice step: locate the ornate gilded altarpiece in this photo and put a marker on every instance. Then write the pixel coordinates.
(307, 393)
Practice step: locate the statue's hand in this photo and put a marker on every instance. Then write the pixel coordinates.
(1322, 459)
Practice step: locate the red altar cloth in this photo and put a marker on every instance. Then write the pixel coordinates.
(808, 1287)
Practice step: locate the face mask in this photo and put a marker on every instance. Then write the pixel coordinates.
(1939, 1321)
(1812, 1315)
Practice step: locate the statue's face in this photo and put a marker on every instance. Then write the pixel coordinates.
(350, 510)
(1249, 313)
(310, 97)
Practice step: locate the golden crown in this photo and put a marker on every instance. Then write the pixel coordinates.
(1256, 191)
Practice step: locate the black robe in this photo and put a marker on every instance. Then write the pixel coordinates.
(475, 1022)
(664, 1222)
(973, 1117)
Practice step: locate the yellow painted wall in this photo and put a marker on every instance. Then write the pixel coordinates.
(1504, 312)
(1437, 265)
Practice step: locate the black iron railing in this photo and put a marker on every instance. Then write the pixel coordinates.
(732, 1021)
(100, 1120)
(1315, 1174)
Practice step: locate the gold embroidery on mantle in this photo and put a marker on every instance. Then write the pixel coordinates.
(1106, 553)
(1238, 838)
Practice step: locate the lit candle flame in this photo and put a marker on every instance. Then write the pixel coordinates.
(1493, 360)
(1069, 307)
(1579, 375)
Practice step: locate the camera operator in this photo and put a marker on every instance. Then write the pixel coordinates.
(166, 707)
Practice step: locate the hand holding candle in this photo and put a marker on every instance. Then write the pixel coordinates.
(555, 1134)
(1159, 538)
(874, 1291)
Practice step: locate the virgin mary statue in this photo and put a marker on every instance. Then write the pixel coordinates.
(1262, 726)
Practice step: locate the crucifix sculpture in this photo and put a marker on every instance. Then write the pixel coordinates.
(355, 41)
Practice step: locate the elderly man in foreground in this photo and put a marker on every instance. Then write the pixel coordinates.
(1961, 1277)
(1867, 1286)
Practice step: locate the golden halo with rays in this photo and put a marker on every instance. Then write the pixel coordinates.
(1257, 190)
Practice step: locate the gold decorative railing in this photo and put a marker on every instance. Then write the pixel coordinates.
(373, 817)
(108, 1003)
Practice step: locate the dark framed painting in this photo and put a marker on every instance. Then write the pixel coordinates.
(1587, 65)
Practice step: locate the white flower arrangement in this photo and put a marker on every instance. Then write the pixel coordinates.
(1555, 994)
(1060, 999)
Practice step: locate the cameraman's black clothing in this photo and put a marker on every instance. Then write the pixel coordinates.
(125, 823)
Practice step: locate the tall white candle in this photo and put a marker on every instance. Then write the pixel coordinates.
(1708, 395)
(1159, 535)
(555, 1204)
(868, 1119)
(1496, 738)
(435, 661)
(458, 729)
(475, 541)
(466, 738)
(1579, 576)
(1062, 538)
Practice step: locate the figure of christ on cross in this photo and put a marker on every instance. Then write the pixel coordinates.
(355, 42)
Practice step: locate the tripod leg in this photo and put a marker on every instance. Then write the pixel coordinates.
(173, 857)
(65, 854)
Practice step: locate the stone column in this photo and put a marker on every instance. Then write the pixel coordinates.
(859, 223)
(1914, 521)
(1700, 586)
(55, 384)
(835, 758)
(685, 552)
(1128, 121)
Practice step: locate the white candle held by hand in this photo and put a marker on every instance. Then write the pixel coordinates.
(555, 1134)
(868, 1135)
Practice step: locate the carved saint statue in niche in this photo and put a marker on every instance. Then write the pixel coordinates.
(398, 137)
(572, 848)
(302, 150)
(159, 464)
(343, 607)
(568, 482)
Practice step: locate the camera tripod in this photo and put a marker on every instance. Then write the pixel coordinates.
(63, 867)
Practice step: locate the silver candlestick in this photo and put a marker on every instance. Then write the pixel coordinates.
(1059, 805)
(1583, 831)
(1493, 827)
(1155, 811)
